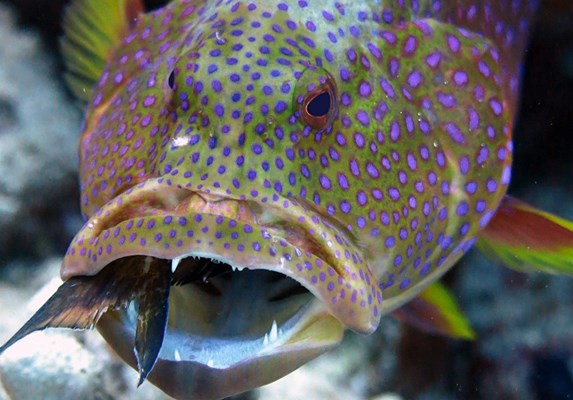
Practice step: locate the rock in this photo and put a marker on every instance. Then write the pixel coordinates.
(57, 364)
(51, 367)
(39, 132)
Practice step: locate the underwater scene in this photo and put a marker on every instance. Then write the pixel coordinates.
(292, 238)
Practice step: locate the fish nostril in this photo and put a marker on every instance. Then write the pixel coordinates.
(320, 105)
(171, 80)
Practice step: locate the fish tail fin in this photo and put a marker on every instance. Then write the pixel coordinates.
(527, 239)
(92, 31)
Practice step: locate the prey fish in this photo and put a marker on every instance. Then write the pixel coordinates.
(258, 177)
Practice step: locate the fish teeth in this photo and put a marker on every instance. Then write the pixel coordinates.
(266, 339)
(237, 268)
(210, 363)
(274, 334)
(177, 355)
(174, 263)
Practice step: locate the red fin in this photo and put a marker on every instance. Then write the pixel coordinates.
(436, 311)
(528, 239)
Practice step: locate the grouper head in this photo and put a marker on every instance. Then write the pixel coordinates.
(258, 177)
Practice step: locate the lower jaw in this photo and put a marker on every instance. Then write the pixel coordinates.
(198, 361)
(314, 333)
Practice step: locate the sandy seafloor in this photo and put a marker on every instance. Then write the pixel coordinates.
(524, 323)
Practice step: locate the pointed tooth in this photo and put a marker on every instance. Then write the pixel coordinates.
(152, 303)
(273, 334)
(175, 263)
(266, 339)
(210, 363)
(177, 355)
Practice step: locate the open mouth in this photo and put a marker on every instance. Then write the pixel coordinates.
(207, 295)
(220, 315)
(212, 329)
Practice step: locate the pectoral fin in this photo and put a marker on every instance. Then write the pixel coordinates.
(436, 311)
(527, 239)
(93, 28)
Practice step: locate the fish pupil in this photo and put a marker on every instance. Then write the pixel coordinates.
(320, 105)
(171, 80)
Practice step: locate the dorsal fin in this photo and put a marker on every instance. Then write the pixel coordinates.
(93, 29)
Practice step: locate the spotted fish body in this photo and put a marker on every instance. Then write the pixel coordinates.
(357, 148)
(413, 160)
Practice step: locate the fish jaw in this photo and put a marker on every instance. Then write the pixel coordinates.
(287, 283)
(314, 333)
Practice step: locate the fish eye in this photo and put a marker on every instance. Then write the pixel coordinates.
(317, 98)
(319, 105)
(171, 80)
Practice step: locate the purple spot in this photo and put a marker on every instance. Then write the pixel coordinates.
(496, 107)
(491, 185)
(394, 193)
(343, 181)
(364, 89)
(414, 79)
(462, 208)
(464, 164)
(394, 131)
(362, 117)
(372, 170)
(433, 60)
(483, 154)
(354, 168)
(345, 206)
(325, 182)
(454, 132)
(411, 161)
(410, 45)
(448, 100)
(460, 78)
(453, 43)
(471, 187)
(362, 198)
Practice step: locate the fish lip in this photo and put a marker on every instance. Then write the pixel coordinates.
(319, 255)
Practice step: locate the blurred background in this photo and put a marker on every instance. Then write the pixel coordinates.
(524, 323)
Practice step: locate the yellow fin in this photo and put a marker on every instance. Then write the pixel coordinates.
(436, 311)
(93, 29)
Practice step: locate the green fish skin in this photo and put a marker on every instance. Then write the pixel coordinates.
(258, 177)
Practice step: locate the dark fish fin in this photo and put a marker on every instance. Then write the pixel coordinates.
(527, 239)
(93, 29)
(80, 301)
(152, 303)
(436, 311)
